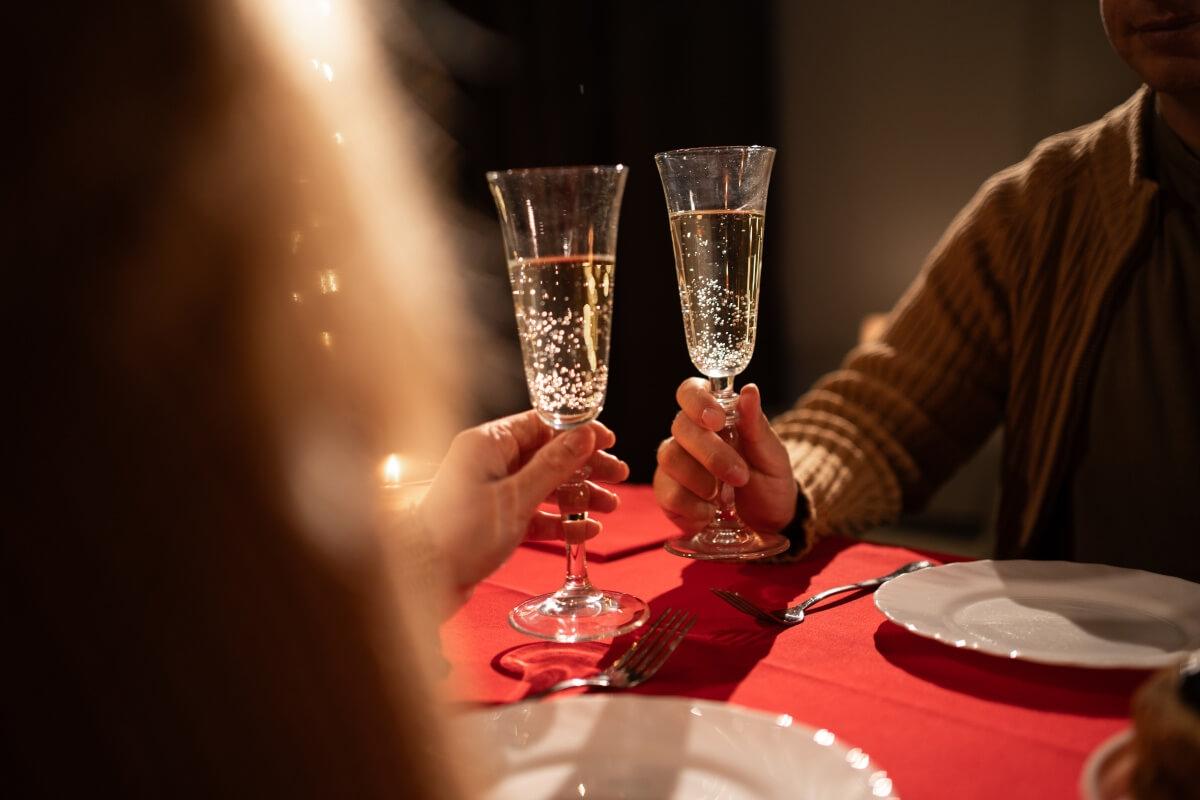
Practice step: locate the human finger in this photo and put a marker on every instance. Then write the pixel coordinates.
(687, 471)
(696, 399)
(710, 450)
(602, 468)
(550, 466)
(496, 448)
(605, 438)
(546, 526)
(608, 468)
(600, 498)
(682, 507)
(760, 445)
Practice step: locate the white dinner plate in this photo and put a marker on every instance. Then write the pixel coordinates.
(631, 746)
(1053, 612)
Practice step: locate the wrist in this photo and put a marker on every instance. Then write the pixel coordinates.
(794, 530)
(781, 512)
(457, 587)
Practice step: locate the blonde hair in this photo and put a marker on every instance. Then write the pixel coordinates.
(259, 305)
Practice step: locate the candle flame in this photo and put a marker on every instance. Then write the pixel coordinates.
(393, 470)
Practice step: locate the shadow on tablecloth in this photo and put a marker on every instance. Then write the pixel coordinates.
(725, 645)
(1073, 690)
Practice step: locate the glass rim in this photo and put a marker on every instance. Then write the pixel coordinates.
(726, 148)
(578, 169)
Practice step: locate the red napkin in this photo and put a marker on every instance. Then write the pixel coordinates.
(638, 524)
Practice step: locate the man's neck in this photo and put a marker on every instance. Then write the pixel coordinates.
(1182, 113)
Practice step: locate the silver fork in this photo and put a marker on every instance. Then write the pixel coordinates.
(795, 614)
(643, 658)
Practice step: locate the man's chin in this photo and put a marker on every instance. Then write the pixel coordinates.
(1170, 74)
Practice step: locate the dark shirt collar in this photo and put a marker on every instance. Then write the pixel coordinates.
(1176, 167)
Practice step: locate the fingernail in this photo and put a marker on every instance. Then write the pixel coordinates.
(712, 418)
(737, 475)
(577, 441)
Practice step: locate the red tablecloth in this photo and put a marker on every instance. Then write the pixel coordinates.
(943, 722)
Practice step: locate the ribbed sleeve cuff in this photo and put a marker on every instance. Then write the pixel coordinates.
(798, 533)
(845, 485)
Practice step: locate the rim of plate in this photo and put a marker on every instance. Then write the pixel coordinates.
(1147, 662)
(872, 778)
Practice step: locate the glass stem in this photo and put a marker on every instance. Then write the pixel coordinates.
(726, 517)
(572, 506)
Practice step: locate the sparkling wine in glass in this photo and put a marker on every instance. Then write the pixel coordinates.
(560, 239)
(717, 204)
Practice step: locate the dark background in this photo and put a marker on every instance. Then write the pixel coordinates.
(887, 117)
(602, 83)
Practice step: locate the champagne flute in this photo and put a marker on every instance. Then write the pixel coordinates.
(560, 240)
(717, 204)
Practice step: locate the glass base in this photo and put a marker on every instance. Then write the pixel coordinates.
(728, 543)
(579, 617)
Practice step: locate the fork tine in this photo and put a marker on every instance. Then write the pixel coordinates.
(736, 600)
(676, 637)
(749, 608)
(649, 644)
(649, 632)
(648, 654)
(745, 606)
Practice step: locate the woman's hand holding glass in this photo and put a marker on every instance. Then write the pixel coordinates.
(484, 500)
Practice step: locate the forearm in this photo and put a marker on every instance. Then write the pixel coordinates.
(846, 484)
(880, 434)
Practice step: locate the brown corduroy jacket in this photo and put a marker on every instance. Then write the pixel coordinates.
(1002, 326)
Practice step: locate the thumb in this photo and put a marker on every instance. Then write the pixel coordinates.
(760, 445)
(551, 466)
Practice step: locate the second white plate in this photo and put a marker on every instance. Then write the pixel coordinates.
(1053, 612)
(665, 748)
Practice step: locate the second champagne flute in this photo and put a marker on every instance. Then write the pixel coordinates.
(560, 240)
(717, 206)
